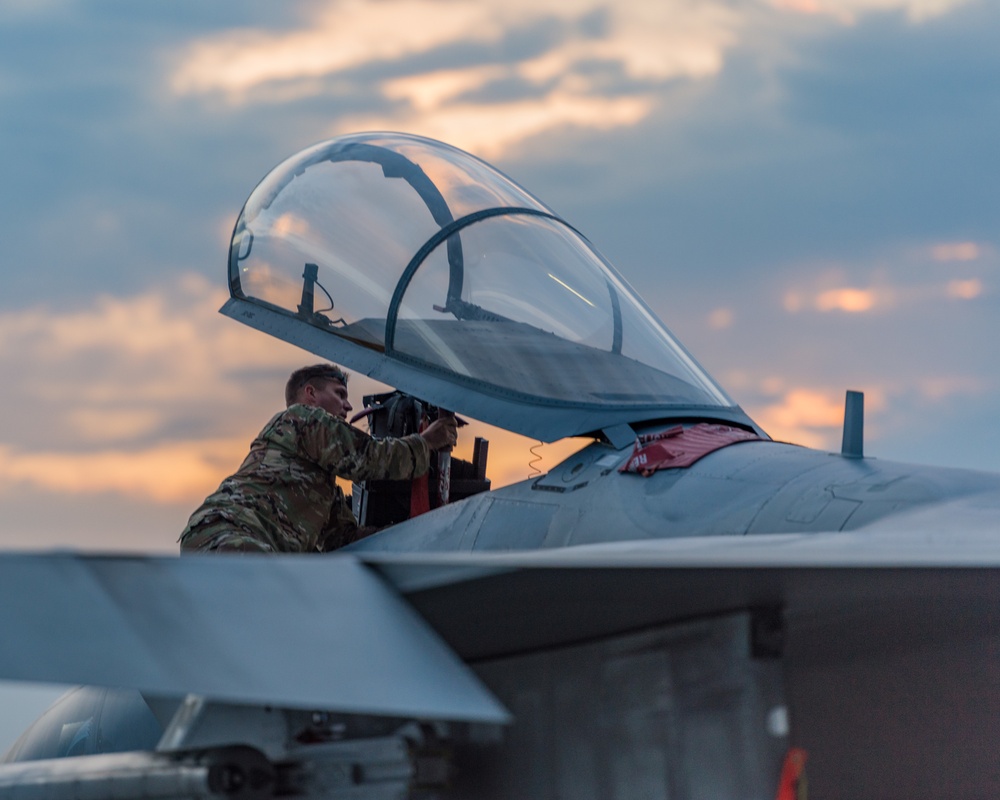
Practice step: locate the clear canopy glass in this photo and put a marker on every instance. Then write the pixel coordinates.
(422, 252)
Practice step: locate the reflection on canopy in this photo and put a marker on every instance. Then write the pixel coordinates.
(430, 257)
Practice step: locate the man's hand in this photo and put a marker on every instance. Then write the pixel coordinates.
(441, 434)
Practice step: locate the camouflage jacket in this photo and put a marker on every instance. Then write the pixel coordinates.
(284, 497)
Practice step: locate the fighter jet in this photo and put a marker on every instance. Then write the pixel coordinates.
(683, 608)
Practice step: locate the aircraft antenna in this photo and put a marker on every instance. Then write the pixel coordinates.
(853, 445)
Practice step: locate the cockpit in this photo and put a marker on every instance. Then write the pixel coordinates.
(426, 268)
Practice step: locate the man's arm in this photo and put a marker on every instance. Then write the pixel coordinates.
(388, 456)
(352, 454)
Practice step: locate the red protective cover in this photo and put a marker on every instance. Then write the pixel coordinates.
(681, 447)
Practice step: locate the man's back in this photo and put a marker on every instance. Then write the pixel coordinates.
(284, 497)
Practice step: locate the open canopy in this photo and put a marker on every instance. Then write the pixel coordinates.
(426, 268)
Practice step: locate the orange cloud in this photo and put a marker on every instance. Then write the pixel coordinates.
(956, 251)
(848, 11)
(96, 425)
(648, 42)
(799, 6)
(802, 409)
(431, 90)
(490, 130)
(845, 299)
(827, 292)
(115, 382)
(651, 43)
(341, 36)
(850, 300)
(813, 417)
(941, 387)
(137, 353)
(793, 302)
(659, 40)
(965, 290)
(720, 319)
(164, 473)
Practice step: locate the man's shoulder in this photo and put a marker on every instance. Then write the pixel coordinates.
(300, 411)
(301, 418)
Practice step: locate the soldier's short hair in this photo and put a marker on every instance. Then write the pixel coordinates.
(317, 372)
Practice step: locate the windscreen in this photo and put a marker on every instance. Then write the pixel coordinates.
(432, 257)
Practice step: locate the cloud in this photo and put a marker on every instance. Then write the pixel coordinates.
(803, 416)
(968, 289)
(942, 387)
(489, 131)
(95, 425)
(809, 416)
(956, 251)
(923, 10)
(410, 42)
(124, 394)
(438, 105)
(846, 299)
(720, 319)
(163, 473)
(848, 11)
(431, 90)
(650, 40)
(792, 410)
(898, 282)
(32, 8)
(143, 353)
(343, 35)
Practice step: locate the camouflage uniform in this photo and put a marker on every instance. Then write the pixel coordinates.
(284, 497)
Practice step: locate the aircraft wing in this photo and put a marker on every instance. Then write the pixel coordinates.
(293, 632)
(328, 632)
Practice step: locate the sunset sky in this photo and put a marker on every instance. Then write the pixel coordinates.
(803, 190)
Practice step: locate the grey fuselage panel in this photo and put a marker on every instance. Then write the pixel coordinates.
(756, 487)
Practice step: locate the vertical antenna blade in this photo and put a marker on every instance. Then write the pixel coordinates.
(853, 445)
